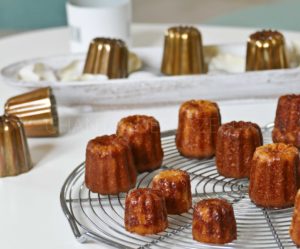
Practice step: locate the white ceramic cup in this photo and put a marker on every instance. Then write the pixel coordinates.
(98, 18)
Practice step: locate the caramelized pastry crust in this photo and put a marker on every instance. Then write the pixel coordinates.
(199, 121)
(287, 120)
(145, 211)
(214, 222)
(143, 134)
(176, 188)
(274, 178)
(295, 225)
(236, 144)
(109, 165)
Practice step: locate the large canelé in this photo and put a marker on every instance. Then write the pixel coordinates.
(176, 188)
(198, 125)
(274, 177)
(236, 144)
(109, 165)
(145, 211)
(143, 134)
(214, 222)
(287, 120)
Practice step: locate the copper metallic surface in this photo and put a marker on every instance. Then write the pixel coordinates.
(266, 50)
(183, 52)
(14, 153)
(107, 56)
(37, 111)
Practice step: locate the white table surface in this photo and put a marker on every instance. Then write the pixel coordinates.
(30, 212)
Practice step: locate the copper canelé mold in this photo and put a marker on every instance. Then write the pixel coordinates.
(37, 110)
(183, 52)
(14, 153)
(265, 51)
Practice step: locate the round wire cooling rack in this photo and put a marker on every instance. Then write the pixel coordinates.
(101, 218)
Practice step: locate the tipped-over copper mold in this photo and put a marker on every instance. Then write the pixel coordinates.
(37, 110)
(266, 50)
(107, 56)
(14, 153)
(183, 52)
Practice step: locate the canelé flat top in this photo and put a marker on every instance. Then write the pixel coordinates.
(144, 192)
(139, 123)
(276, 151)
(199, 106)
(203, 207)
(107, 144)
(172, 174)
(239, 125)
(290, 97)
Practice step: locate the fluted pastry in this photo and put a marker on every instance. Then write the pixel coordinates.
(274, 177)
(214, 222)
(295, 224)
(236, 144)
(145, 211)
(143, 134)
(109, 165)
(287, 124)
(198, 124)
(176, 188)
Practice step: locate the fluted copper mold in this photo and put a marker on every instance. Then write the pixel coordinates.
(14, 153)
(183, 52)
(37, 110)
(266, 50)
(107, 56)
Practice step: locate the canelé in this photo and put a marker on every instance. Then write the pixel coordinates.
(143, 134)
(176, 188)
(236, 144)
(214, 222)
(145, 211)
(274, 177)
(109, 165)
(198, 125)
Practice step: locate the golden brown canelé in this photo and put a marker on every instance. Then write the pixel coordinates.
(145, 211)
(214, 222)
(287, 120)
(236, 144)
(176, 188)
(143, 134)
(198, 125)
(183, 52)
(295, 224)
(274, 178)
(266, 50)
(109, 165)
